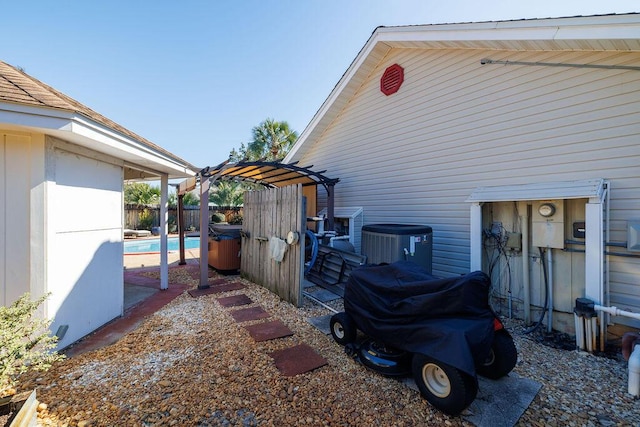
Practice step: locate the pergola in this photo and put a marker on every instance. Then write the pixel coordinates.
(266, 173)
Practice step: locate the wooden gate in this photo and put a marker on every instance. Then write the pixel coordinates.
(270, 213)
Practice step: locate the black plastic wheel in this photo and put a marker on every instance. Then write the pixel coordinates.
(502, 358)
(343, 328)
(443, 386)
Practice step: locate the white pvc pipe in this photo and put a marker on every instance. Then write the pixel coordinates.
(615, 311)
(634, 371)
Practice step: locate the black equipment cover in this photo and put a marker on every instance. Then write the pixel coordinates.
(405, 307)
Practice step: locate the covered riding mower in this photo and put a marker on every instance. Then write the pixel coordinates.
(441, 331)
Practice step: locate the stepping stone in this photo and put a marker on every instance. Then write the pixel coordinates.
(216, 289)
(268, 330)
(322, 323)
(235, 300)
(501, 403)
(251, 313)
(297, 360)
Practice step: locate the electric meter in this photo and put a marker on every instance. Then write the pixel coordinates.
(547, 209)
(547, 222)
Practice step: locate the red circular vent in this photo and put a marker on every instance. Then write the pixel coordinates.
(392, 79)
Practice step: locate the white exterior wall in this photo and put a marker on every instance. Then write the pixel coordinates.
(85, 263)
(415, 156)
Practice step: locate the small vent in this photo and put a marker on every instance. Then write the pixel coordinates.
(392, 79)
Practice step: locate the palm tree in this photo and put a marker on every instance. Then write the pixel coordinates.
(141, 193)
(189, 199)
(271, 141)
(226, 193)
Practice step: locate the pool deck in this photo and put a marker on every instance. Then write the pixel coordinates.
(151, 259)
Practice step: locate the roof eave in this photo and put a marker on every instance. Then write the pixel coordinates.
(78, 129)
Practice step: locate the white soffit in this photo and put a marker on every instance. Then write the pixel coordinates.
(592, 188)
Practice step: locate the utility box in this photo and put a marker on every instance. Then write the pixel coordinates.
(547, 222)
(387, 243)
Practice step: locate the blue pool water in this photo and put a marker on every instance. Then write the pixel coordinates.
(153, 245)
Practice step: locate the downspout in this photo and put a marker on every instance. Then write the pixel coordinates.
(550, 289)
(604, 320)
(597, 231)
(330, 207)
(523, 207)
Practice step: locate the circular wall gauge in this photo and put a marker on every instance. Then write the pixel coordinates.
(547, 209)
(293, 237)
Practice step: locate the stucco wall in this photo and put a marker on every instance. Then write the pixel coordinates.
(85, 263)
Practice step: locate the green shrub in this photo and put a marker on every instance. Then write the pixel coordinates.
(218, 217)
(145, 221)
(236, 219)
(26, 342)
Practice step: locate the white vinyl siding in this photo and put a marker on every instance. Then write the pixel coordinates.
(415, 157)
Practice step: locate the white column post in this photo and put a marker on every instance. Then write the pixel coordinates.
(475, 238)
(164, 210)
(204, 233)
(594, 252)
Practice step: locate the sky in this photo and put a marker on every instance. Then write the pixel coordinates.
(195, 76)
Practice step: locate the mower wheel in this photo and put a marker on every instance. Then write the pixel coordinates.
(501, 359)
(446, 388)
(343, 328)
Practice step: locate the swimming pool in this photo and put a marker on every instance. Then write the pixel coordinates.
(153, 245)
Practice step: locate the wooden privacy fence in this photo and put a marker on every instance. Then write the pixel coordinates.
(134, 214)
(273, 213)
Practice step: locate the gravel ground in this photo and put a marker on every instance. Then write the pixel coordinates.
(191, 364)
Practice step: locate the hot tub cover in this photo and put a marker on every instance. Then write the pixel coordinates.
(405, 307)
